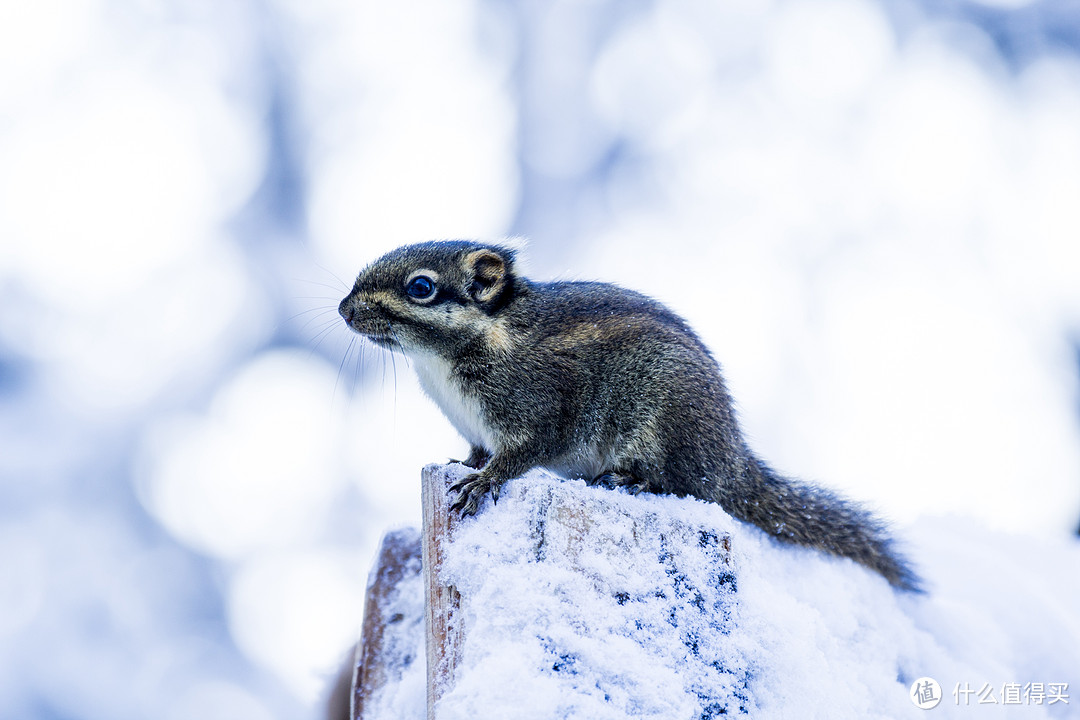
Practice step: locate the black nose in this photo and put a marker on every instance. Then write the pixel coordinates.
(346, 310)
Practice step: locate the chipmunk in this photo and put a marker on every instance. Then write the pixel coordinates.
(592, 381)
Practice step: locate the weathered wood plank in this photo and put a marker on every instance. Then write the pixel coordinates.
(442, 601)
(381, 658)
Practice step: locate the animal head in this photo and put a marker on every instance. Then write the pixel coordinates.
(431, 295)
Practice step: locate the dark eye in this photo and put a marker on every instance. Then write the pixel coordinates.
(420, 287)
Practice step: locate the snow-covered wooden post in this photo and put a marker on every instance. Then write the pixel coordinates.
(570, 590)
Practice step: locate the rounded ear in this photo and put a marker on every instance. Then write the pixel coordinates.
(489, 274)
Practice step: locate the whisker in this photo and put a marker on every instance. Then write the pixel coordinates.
(393, 364)
(323, 334)
(311, 310)
(334, 275)
(357, 365)
(341, 366)
(325, 324)
(400, 346)
(321, 312)
(382, 379)
(344, 287)
(324, 320)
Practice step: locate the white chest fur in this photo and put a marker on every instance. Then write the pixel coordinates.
(463, 412)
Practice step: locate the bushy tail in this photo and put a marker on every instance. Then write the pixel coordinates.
(800, 513)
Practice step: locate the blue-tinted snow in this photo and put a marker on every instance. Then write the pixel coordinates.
(627, 610)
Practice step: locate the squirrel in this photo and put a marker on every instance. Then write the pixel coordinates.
(589, 380)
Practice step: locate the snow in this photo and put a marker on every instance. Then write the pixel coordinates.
(588, 631)
(632, 610)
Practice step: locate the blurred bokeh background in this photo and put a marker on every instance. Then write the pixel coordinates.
(870, 209)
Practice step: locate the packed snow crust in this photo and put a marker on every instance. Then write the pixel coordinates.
(591, 604)
(638, 611)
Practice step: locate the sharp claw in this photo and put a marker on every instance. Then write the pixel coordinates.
(464, 482)
(458, 503)
(471, 490)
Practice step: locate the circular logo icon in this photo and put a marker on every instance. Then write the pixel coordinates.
(925, 693)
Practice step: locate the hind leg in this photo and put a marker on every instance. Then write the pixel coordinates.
(616, 479)
(478, 458)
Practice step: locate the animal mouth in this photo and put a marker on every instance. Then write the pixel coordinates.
(364, 322)
(386, 341)
(383, 337)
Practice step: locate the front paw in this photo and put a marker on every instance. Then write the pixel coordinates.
(471, 490)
